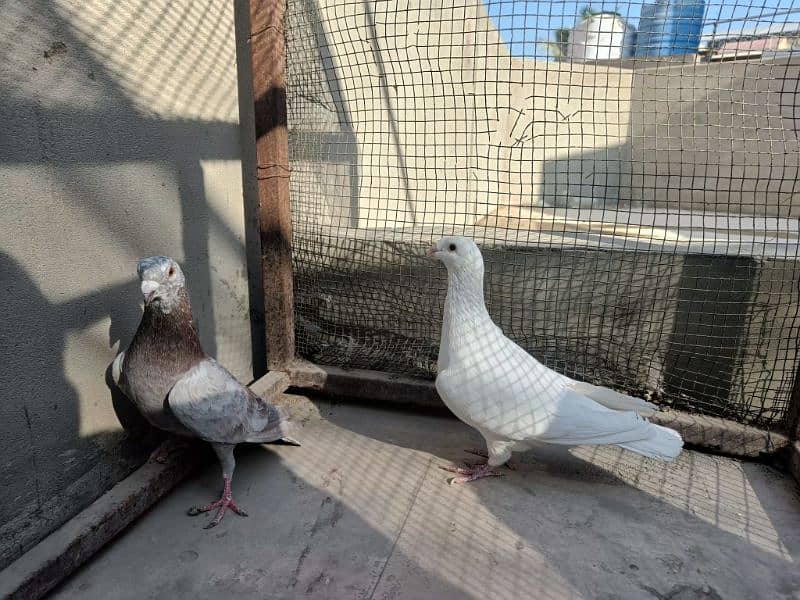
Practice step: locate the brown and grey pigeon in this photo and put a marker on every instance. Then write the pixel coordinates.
(181, 390)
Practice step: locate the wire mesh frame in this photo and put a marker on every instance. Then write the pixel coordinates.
(627, 288)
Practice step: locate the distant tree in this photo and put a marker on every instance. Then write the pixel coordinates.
(558, 46)
(588, 12)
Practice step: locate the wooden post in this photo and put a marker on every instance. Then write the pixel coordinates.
(272, 156)
(793, 413)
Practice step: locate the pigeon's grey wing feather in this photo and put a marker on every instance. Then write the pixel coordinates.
(116, 367)
(210, 402)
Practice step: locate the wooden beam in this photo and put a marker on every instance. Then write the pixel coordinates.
(272, 162)
(719, 435)
(271, 385)
(361, 384)
(794, 461)
(793, 413)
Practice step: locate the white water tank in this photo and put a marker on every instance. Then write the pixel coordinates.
(601, 36)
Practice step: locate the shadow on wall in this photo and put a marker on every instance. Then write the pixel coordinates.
(586, 179)
(93, 181)
(49, 469)
(685, 326)
(687, 316)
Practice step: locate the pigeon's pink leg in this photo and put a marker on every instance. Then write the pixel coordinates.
(467, 474)
(223, 504)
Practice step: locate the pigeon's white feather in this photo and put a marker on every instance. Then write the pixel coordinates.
(615, 400)
(491, 383)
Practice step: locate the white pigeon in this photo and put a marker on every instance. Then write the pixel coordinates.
(512, 399)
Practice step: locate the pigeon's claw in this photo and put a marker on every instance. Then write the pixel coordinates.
(222, 505)
(467, 474)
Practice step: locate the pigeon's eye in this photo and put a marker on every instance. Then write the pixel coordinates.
(452, 247)
(171, 272)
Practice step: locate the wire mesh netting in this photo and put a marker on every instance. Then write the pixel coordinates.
(629, 171)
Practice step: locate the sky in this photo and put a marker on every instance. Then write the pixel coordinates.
(523, 23)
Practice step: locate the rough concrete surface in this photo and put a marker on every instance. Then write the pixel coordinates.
(361, 511)
(59, 554)
(424, 117)
(715, 335)
(120, 139)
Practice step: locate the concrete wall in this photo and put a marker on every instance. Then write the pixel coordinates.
(710, 334)
(425, 118)
(406, 124)
(420, 116)
(120, 139)
(717, 137)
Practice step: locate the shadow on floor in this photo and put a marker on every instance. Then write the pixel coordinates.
(361, 511)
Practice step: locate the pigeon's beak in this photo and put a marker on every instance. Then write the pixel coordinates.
(432, 252)
(148, 290)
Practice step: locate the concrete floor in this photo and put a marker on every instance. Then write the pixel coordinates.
(361, 511)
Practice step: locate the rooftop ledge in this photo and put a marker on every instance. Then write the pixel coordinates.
(636, 230)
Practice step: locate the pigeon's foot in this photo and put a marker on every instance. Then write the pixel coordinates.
(484, 454)
(222, 505)
(467, 474)
(170, 446)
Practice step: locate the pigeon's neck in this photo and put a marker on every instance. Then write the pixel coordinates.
(465, 313)
(170, 337)
(465, 292)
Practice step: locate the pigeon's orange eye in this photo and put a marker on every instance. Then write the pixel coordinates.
(452, 247)
(171, 272)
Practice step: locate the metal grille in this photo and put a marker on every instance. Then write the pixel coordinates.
(629, 171)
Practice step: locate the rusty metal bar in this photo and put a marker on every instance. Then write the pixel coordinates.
(268, 53)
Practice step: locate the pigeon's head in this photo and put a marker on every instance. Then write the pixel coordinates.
(162, 281)
(458, 254)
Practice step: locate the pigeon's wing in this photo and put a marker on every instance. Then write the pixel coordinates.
(614, 400)
(503, 390)
(116, 367)
(575, 419)
(210, 402)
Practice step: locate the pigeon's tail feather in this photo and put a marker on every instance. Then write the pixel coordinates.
(662, 444)
(614, 400)
(279, 427)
